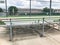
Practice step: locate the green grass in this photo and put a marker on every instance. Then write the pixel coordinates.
(33, 17)
(2, 23)
(29, 16)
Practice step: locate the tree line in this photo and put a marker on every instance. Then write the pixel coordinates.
(13, 10)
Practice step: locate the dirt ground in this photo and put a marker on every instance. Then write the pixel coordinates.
(51, 38)
(3, 38)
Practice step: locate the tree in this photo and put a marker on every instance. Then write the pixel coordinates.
(1, 10)
(47, 10)
(12, 10)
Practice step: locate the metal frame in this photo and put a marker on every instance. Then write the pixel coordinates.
(11, 31)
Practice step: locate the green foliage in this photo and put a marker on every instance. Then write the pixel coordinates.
(1, 10)
(47, 10)
(2, 23)
(12, 10)
(57, 20)
(33, 14)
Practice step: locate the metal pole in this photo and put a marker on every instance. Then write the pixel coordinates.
(43, 27)
(6, 6)
(30, 7)
(13, 11)
(59, 25)
(38, 21)
(50, 7)
(11, 31)
(42, 34)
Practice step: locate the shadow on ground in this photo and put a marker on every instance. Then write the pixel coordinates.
(27, 32)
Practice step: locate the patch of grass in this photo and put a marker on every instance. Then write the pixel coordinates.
(2, 23)
(37, 17)
(57, 20)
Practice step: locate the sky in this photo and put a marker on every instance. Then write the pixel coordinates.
(35, 4)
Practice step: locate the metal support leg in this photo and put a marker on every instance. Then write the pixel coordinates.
(42, 34)
(59, 25)
(11, 31)
(38, 21)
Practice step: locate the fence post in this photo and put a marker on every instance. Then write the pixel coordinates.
(42, 34)
(59, 24)
(11, 31)
(38, 21)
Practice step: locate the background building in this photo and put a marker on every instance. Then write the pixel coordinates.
(25, 11)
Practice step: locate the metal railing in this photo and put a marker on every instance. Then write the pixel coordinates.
(10, 21)
(31, 26)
